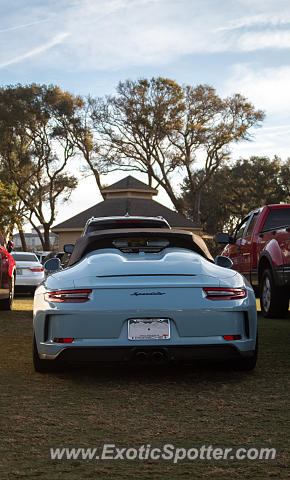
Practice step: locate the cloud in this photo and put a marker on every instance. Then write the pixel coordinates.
(117, 33)
(267, 88)
(36, 51)
(114, 34)
(268, 141)
(262, 40)
(257, 21)
(25, 25)
(122, 33)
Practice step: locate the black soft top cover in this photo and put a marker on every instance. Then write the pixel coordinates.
(104, 239)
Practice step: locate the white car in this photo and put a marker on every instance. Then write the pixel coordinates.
(29, 271)
(42, 256)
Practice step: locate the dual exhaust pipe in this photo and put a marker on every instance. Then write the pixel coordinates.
(157, 356)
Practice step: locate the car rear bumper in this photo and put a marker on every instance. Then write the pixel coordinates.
(149, 354)
(22, 281)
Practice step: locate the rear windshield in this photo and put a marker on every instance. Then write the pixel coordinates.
(140, 244)
(93, 227)
(278, 217)
(24, 257)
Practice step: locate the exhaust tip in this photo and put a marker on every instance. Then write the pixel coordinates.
(141, 357)
(158, 357)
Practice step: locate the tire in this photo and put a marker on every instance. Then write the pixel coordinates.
(274, 299)
(6, 304)
(40, 365)
(248, 363)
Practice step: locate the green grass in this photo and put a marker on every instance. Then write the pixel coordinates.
(186, 407)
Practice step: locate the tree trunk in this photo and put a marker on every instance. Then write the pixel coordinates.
(38, 233)
(98, 179)
(46, 245)
(196, 206)
(177, 202)
(22, 238)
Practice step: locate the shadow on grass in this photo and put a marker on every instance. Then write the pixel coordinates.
(152, 374)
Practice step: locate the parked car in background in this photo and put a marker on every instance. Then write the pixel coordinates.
(152, 296)
(29, 271)
(7, 274)
(260, 250)
(42, 256)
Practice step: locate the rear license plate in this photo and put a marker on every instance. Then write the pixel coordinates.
(149, 329)
(18, 271)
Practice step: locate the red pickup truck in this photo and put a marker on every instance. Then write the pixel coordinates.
(7, 274)
(260, 249)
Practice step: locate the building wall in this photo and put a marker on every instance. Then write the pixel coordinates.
(33, 242)
(67, 237)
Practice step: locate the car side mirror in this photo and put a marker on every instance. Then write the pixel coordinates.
(9, 246)
(52, 265)
(223, 261)
(68, 248)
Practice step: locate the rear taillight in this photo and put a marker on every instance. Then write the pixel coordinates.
(69, 296)
(220, 293)
(36, 269)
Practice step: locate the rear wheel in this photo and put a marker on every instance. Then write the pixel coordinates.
(274, 300)
(40, 365)
(6, 304)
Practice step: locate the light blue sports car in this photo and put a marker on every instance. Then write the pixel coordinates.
(144, 296)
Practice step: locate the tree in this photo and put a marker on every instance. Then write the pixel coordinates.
(236, 189)
(34, 151)
(8, 208)
(159, 128)
(12, 209)
(80, 133)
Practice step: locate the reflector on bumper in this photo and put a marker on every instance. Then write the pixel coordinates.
(63, 340)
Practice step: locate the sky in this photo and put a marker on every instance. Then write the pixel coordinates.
(88, 46)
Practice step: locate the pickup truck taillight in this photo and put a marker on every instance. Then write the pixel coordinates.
(68, 296)
(220, 293)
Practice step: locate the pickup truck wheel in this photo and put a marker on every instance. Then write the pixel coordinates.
(274, 300)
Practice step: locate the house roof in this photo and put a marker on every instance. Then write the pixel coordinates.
(120, 206)
(129, 183)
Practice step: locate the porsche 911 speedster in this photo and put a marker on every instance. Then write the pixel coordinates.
(144, 296)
